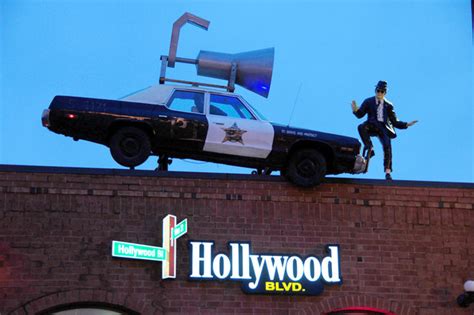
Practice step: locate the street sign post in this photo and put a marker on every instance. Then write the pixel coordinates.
(165, 254)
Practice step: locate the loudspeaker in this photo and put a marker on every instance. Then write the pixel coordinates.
(253, 69)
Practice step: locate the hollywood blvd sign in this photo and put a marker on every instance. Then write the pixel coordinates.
(258, 273)
(265, 273)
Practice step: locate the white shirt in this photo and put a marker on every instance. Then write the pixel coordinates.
(379, 109)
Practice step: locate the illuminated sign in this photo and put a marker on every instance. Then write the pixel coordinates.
(265, 273)
(180, 229)
(137, 251)
(258, 273)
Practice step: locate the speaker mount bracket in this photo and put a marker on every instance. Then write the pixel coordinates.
(185, 18)
(230, 87)
(232, 77)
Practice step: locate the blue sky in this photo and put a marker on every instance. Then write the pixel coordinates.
(335, 50)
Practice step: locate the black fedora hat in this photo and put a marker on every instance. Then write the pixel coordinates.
(381, 85)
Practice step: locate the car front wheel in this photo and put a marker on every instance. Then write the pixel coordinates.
(130, 146)
(306, 168)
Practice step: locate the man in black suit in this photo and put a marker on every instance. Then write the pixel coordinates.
(381, 119)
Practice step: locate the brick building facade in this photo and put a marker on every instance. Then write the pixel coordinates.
(405, 247)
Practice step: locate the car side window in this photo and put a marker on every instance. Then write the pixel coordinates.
(223, 105)
(187, 101)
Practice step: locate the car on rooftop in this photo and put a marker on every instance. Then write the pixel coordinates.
(174, 121)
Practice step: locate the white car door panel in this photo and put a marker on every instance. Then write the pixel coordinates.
(233, 129)
(242, 137)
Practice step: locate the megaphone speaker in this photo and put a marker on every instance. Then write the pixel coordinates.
(254, 68)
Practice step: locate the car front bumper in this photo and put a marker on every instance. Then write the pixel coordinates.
(360, 165)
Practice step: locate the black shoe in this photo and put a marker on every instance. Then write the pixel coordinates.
(388, 176)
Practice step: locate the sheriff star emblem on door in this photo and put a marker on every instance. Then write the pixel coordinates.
(238, 137)
(233, 134)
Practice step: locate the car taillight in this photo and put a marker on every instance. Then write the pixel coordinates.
(71, 116)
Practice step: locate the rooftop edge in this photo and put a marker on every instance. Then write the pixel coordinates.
(221, 176)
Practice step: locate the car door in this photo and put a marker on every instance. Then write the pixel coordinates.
(235, 130)
(186, 121)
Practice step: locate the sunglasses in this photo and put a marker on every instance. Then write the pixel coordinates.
(381, 91)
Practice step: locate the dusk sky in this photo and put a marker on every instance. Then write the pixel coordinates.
(336, 51)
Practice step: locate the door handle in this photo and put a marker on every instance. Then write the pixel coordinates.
(219, 123)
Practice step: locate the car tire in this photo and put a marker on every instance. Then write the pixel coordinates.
(306, 168)
(130, 146)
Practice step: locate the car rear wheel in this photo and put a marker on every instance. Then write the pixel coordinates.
(130, 146)
(306, 168)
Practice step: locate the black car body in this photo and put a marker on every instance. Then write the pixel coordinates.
(201, 124)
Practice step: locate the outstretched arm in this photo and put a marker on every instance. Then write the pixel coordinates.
(395, 122)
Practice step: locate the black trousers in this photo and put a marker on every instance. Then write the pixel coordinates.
(367, 130)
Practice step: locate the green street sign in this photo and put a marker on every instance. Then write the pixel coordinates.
(180, 229)
(137, 251)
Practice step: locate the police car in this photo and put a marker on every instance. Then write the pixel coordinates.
(202, 124)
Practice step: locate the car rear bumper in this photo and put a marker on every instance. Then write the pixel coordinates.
(45, 118)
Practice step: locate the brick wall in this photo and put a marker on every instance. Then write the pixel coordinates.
(405, 246)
